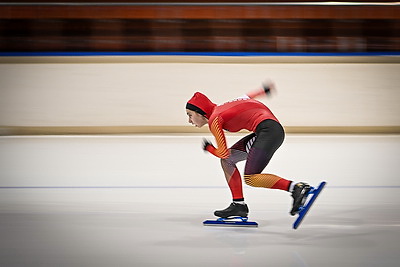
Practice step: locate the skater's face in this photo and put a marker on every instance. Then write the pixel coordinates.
(196, 119)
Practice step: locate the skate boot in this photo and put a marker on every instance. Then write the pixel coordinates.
(234, 209)
(299, 194)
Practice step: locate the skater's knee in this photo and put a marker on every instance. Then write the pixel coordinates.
(234, 157)
(228, 161)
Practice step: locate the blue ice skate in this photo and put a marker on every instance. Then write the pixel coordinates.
(231, 221)
(303, 210)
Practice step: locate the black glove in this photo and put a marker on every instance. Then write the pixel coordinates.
(206, 143)
(267, 89)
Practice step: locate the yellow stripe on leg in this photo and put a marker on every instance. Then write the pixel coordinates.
(261, 180)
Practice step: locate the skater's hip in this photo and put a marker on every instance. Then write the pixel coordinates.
(269, 135)
(270, 126)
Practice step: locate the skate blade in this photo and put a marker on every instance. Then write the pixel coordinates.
(233, 221)
(314, 193)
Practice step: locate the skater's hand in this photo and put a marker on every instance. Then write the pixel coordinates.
(269, 87)
(206, 143)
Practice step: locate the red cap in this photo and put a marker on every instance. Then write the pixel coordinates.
(201, 104)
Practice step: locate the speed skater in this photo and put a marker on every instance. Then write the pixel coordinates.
(257, 148)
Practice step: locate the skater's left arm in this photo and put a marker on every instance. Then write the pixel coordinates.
(221, 151)
(264, 90)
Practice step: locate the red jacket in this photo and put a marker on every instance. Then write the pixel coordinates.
(233, 116)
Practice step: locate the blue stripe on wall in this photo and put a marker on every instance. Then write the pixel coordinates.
(226, 54)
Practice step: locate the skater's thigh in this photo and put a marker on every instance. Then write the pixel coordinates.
(235, 156)
(245, 143)
(270, 136)
(257, 160)
(238, 150)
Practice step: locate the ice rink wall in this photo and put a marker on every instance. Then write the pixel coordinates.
(140, 94)
(106, 67)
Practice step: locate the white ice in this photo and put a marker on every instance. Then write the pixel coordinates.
(140, 201)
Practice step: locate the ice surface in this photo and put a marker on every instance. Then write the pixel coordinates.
(141, 200)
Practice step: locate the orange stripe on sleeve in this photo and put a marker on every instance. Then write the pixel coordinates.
(222, 149)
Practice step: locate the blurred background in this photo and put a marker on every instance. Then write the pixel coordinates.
(117, 67)
(209, 26)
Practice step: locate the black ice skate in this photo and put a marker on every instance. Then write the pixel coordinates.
(234, 215)
(234, 209)
(299, 194)
(303, 210)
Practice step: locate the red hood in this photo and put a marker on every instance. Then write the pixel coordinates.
(204, 105)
